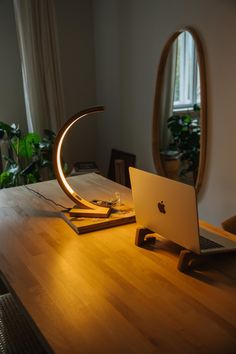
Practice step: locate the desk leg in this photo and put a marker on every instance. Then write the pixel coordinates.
(141, 232)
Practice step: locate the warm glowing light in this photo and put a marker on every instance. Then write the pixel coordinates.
(59, 158)
(93, 210)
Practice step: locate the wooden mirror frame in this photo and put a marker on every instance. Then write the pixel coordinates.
(158, 104)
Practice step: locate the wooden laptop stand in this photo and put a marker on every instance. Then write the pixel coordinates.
(145, 236)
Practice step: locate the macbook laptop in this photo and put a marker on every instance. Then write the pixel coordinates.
(169, 208)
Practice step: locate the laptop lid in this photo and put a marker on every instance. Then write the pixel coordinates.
(166, 207)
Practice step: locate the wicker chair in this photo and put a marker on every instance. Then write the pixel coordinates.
(16, 333)
(230, 224)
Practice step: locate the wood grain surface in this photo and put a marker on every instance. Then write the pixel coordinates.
(99, 293)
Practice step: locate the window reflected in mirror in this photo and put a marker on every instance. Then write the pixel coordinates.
(186, 75)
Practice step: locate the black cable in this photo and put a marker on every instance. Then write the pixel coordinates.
(42, 196)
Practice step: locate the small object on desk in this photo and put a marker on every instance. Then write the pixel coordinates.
(80, 168)
(116, 201)
(103, 203)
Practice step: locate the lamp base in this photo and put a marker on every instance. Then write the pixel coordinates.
(120, 216)
(97, 212)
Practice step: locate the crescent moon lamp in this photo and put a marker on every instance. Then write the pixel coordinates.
(83, 207)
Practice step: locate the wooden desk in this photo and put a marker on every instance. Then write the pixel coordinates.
(99, 293)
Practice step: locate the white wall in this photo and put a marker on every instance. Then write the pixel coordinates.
(129, 37)
(12, 107)
(75, 37)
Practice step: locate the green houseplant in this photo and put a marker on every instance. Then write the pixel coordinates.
(185, 131)
(28, 156)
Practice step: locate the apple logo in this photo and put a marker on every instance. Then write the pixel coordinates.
(161, 207)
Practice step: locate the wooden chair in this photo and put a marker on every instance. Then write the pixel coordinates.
(119, 166)
(230, 224)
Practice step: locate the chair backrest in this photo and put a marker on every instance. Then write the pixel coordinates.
(120, 162)
(230, 224)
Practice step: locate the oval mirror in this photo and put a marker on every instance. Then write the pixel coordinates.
(180, 108)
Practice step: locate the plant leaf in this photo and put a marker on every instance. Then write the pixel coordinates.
(5, 127)
(28, 145)
(6, 179)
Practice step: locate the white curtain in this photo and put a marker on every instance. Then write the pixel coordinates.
(36, 27)
(168, 95)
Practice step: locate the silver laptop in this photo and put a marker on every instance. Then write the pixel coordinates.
(169, 208)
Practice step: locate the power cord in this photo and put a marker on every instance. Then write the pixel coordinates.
(48, 199)
(110, 203)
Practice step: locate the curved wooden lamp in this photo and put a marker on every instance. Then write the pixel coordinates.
(83, 207)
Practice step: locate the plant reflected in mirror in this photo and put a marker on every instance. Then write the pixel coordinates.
(185, 142)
